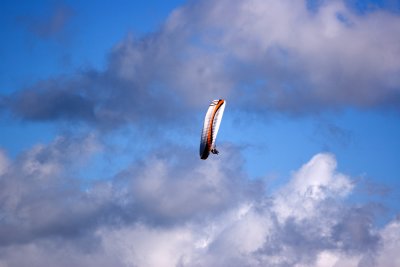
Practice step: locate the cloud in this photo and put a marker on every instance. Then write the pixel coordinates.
(387, 255)
(314, 183)
(59, 104)
(102, 100)
(170, 209)
(305, 60)
(38, 198)
(164, 192)
(168, 212)
(4, 162)
(280, 56)
(256, 233)
(49, 25)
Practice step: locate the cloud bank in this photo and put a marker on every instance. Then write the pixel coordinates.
(191, 213)
(280, 56)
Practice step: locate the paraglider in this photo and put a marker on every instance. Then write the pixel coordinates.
(211, 124)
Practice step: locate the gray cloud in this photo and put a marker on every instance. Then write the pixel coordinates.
(164, 191)
(47, 105)
(355, 232)
(102, 100)
(38, 198)
(169, 212)
(41, 192)
(276, 56)
(50, 25)
(170, 209)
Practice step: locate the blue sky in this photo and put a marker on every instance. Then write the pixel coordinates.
(101, 109)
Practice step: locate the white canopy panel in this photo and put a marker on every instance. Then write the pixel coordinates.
(211, 125)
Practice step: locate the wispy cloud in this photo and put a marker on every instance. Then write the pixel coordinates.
(49, 25)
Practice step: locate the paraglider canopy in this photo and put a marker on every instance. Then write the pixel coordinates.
(211, 125)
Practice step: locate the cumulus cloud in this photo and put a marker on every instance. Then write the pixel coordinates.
(167, 212)
(37, 198)
(170, 209)
(301, 59)
(387, 255)
(314, 183)
(166, 192)
(280, 56)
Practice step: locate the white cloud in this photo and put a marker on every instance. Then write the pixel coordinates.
(164, 212)
(174, 210)
(141, 245)
(314, 183)
(336, 259)
(385, 256)
(325, 58)
(275, 55)
(388, 253)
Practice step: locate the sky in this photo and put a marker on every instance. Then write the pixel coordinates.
(101, 110)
